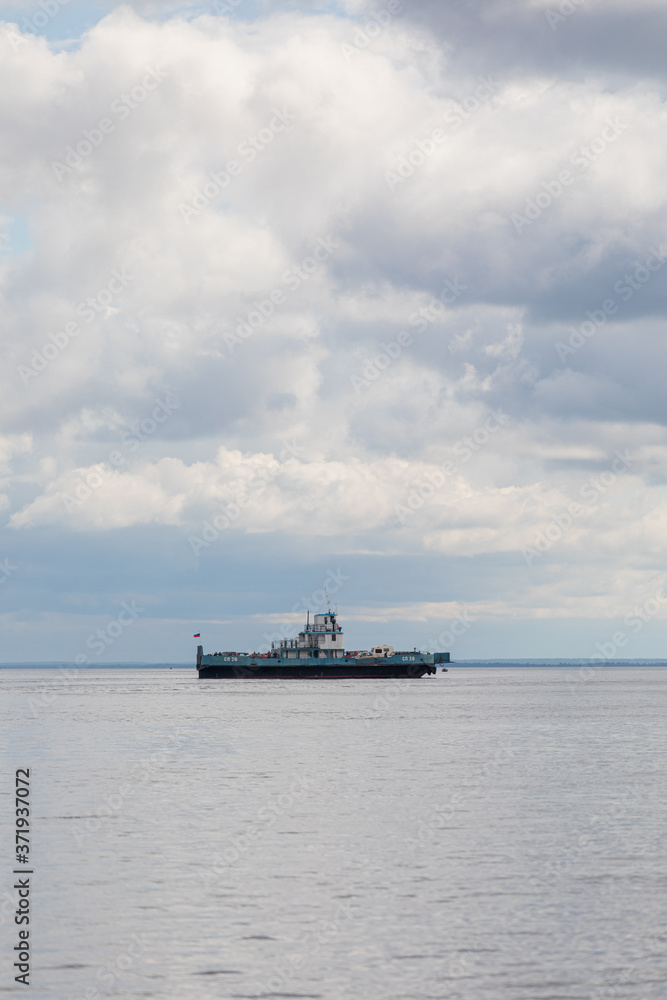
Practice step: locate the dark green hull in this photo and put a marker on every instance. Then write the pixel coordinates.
(245, 665)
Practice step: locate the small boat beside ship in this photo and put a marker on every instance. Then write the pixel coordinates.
(319, 652)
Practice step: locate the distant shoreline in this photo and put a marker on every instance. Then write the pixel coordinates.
(463, 664)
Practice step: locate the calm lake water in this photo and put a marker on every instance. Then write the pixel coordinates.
(484, 834)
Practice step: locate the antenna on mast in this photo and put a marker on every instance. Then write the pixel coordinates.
(328, 601)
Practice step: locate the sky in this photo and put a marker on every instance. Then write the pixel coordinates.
(359, 296)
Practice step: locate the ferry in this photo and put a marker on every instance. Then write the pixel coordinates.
(319, 652)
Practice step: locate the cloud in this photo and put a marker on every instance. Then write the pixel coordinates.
(356, 244)
(617, 39)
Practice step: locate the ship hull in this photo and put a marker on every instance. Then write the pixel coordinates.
(339, 671)
(409, 664)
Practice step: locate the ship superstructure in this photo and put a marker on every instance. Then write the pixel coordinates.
(319, 651)
(322, 640)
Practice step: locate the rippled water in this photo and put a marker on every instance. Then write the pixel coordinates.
(481, 834)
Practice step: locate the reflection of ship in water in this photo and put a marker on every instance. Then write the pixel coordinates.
(319, 651)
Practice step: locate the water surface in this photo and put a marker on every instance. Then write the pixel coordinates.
(485, 834)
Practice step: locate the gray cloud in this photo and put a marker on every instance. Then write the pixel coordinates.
(286, 212)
